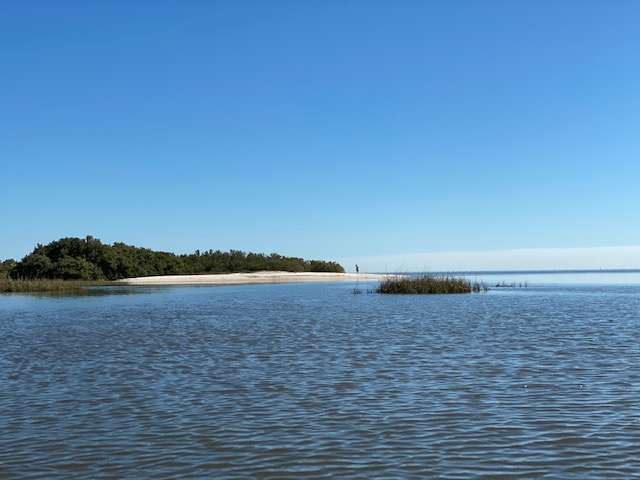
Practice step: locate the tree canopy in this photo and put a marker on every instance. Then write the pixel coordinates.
(90, 259)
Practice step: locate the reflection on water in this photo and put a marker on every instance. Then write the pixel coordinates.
(295, 381)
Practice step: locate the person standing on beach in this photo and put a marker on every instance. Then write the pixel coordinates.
(357, 269)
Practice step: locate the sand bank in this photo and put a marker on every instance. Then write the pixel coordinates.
(254, 277)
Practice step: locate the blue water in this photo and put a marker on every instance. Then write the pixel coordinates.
(313, 381)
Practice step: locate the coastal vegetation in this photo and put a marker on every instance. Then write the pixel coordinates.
(428, 283)
(9, 285)
(88, 259)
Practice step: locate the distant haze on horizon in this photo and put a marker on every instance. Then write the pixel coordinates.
(486, 135)
(606, 258)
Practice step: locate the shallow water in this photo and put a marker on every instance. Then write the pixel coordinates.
(312, 381)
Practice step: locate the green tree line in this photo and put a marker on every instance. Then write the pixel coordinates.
(90, 259)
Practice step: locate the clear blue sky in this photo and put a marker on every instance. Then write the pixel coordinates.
(339, 130)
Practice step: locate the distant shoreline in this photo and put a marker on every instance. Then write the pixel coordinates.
(252, 278)
(544, 271)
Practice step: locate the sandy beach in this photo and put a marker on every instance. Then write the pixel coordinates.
(254, 277)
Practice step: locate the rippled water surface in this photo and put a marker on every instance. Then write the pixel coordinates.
(312, 381)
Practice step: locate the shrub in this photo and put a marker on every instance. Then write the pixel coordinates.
(428, 283)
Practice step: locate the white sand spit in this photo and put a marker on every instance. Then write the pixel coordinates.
(254, 277)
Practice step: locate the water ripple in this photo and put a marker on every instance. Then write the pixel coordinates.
(311, 381)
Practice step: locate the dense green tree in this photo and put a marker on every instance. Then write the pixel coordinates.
(69, 268)
(322, 266)
(34, 265)
(90, 259)
(6, 268)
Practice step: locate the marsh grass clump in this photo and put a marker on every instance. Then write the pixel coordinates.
(53, 286)
(429, 284)
(504, 284)
(358, 290)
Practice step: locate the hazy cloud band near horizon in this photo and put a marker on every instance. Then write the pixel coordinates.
(627, 257)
